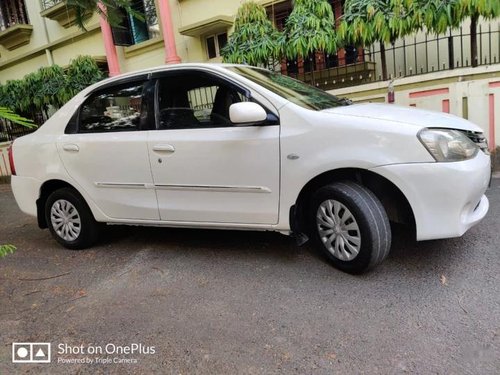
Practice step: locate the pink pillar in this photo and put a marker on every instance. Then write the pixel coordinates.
(109, 46)
(167, 28)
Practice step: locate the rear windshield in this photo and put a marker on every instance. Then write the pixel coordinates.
(291, 89)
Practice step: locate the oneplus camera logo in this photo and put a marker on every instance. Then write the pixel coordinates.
(31, 352)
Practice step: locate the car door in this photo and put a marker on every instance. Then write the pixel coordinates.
(206, 169)
(105, 150)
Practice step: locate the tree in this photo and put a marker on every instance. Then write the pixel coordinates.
(254, 40)
(439, 16)
(368, 21)
(474, 9)
(310, 28)
(49, 86)
(82, 72)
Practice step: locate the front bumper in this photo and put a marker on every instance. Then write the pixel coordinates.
(446, 198)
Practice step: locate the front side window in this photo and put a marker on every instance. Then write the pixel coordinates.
(195, 100)
(291, 89)
(114, 109)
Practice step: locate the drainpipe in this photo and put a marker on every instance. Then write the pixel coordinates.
(109, 46)
(167, 28)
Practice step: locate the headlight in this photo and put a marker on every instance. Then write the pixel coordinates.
(447, 144)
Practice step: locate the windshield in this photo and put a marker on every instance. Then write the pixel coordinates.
(291, 89)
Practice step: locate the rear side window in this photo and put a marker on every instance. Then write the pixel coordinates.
(114, 109)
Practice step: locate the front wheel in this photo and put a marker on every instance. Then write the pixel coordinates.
(70, 220)
(350, 226)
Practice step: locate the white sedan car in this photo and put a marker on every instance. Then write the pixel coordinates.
(237, 147)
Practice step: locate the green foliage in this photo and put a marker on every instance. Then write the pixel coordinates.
(255, 39)
(49, 86)
(309, 28)
(6, 249)
(367, 21)
(7, 114)
(113, 12)
(440, 15)
(484, 8)
(82, 72)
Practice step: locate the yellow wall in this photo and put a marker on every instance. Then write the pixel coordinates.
(20, 70)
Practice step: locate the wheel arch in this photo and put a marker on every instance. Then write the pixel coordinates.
(47, 188)
(395, 203)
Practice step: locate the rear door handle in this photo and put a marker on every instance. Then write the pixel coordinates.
(164, 148)
(71, 147)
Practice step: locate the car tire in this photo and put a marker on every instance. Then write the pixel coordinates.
(350, 226)
(70, 220)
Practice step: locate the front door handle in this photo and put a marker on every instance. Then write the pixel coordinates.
(71, 147)
(164, 148)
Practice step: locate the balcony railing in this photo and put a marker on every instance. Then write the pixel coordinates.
(46, 4)
(10, 131)
(422, 54)
(57, 10)
(12, 14)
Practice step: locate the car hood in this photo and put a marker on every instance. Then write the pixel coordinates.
(405, 115)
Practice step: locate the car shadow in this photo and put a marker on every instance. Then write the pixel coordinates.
(406, 253)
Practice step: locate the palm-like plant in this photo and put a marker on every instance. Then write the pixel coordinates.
(254, 40)
(440, 15)
(7, 114)
(82, 72)
(310, 28)
(474, 9)
(365, 22)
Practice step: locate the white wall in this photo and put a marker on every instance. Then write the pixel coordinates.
(472, 93)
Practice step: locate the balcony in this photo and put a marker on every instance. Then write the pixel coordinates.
(58, 10)
(16, 36)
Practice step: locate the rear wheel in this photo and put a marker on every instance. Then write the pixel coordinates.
(70, 220)
(350, 226)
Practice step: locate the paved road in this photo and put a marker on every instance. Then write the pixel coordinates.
(236, 302)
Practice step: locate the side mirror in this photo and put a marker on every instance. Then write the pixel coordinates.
(246, 113)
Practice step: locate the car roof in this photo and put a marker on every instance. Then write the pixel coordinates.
(162, 68)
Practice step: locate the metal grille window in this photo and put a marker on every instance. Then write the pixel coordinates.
(12, 12)
(133, 30)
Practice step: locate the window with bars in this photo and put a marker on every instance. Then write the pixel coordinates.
(133, 30)
(12, 12)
